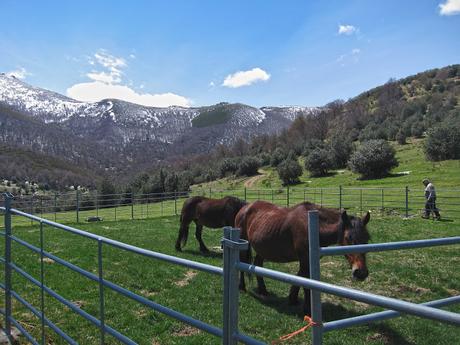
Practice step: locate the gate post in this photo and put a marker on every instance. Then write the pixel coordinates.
(78, 206)
(8, 198)
(315, 274)
(407, 202)
(231, 245)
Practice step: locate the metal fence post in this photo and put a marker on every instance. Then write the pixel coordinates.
(97, 204)
(245, 194)
(175, 203)
(361, 201)
(42, 284)
(232, 247)
(101, 291)
(383, 202)
(8, 198)
(407, 201)
(287, 196)
(55, 206)
(340, 197)
(78, 206)
(314, 257)
(132, 205)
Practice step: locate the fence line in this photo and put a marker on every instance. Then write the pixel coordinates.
(78, 206)
(232, 245)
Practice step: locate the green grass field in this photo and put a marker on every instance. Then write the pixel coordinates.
(416, 275)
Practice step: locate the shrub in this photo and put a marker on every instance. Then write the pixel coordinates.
(341, 149)
(228, 166)
(374, 159)
(319, 162)
(248, 166)
(277, 157)
(401, 137)
(443, 143)
(289, 171)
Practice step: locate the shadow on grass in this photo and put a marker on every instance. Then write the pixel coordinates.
(210, 254)
(332, 312)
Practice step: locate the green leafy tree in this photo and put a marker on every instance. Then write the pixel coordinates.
(248, 166)
(289, 171)
(443, 143)
(106, 193)
(373, 159)
(319, 162)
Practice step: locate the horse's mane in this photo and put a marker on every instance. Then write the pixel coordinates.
(333, 216)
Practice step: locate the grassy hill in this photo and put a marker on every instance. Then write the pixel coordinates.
(413, 167)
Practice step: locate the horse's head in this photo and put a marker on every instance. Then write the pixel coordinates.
(354, 232)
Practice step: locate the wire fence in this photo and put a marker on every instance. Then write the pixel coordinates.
(81, 206)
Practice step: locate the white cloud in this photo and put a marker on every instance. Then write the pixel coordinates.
(212, 84)
(449, 8)
(97, 90)
(19, 73)
(352, 56)
(132, 56)
(244, 78)
(347, 29)
(108, 84)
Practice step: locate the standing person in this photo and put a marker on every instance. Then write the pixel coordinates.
(430, 204)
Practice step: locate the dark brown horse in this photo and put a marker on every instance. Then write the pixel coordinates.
(213, 213)
(281, 235)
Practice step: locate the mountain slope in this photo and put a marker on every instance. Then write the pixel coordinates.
(118, 136)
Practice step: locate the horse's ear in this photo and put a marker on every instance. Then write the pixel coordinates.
(344, 216)
(366, 218)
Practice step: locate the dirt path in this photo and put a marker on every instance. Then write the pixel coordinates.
(250, 182)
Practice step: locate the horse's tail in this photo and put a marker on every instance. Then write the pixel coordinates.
(186, 216)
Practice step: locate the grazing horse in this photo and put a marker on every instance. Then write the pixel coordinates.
(213, 213)
(281, 235)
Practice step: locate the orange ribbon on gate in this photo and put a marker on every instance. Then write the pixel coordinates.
(310, 323)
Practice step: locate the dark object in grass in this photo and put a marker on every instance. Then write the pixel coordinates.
(280, 234)
(213, 213)
(94, 219)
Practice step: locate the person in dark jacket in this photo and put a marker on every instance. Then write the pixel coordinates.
(430, 204)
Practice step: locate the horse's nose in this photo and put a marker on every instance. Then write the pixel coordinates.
(360, 274)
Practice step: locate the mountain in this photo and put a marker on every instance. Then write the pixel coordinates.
(118, 136)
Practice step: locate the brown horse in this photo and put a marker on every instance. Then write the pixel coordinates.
(281, 235)
(213, 213)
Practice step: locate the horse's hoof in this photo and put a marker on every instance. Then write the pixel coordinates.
(204, 251)
(178, 248)
(293, 301)
(262, 292)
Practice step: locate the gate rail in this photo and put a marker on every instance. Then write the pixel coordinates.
(232, 245)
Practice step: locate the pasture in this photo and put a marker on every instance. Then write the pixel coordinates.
(415, 275)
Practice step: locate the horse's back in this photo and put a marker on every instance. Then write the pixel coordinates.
(274, 232)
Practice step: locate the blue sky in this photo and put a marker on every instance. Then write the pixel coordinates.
(203, 52)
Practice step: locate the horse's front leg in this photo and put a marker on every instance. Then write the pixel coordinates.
(261, 288)
(304, 271)
(199, 230)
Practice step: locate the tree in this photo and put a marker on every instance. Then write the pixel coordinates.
(289, 171)
(248, 166)
(277, 157)
(401, 137)
(106, 192)
(443, 143)
(341, 149)
(319, 162)
(374, 159)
